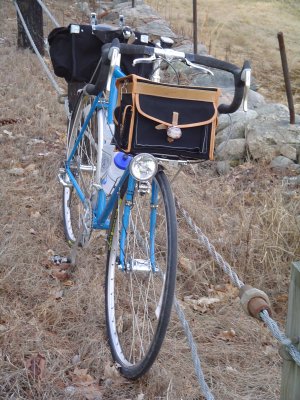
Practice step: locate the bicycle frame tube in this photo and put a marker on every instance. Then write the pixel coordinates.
(102, 209)
(83, 128)
(125, 218)
(113, 93)
(103, 214)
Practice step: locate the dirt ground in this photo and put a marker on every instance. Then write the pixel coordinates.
(53, 342)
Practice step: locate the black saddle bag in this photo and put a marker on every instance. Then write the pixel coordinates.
(174, 122)
(75, 52)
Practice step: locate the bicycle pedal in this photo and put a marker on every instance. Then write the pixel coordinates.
(57, 260)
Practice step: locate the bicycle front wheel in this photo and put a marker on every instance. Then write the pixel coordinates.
(139, 294)
(77, 215)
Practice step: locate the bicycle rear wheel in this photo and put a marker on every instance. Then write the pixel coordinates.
(78, 216)
(139, 298)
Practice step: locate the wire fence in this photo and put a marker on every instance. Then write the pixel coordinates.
(226, 268)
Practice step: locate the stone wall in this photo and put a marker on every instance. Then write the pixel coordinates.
(263, 133)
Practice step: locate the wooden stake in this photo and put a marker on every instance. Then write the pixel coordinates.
(286, 75)
(290, 378)
(32, 13)
(195, 25)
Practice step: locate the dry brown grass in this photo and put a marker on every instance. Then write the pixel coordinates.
(243, 29)
(244, 215)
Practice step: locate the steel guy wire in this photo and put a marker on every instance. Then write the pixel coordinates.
(45, 8)
(196, 360)
(281, 337)
(53, 81)
(264, 315)
(211, 249)
(195, 357)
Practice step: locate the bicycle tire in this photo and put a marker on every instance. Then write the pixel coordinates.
(85, 168)
(135, 332)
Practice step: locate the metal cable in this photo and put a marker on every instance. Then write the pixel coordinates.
(45, 8)
(281, 337)
(196, 360)
(270, 323)
(53, 81)
(204, 240)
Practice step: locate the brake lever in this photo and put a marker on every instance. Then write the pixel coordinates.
(246, 77)
(146, 60)
(205, 70)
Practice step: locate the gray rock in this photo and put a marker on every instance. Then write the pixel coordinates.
(239, 116)
(288, 151)
(220, 79)
(223, 167)
(158, 27)
(188, 47)
(233, 131)
(137, 15)
(274, 111)
(255, 100)
(84, 7)
(233, 149)
(281, 162)
(142, 17)
(267, 137)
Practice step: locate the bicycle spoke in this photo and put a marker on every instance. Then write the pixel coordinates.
(138, 301)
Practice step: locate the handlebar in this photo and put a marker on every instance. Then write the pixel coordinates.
(238, 75)
(241, 76)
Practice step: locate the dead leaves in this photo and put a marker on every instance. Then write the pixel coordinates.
(201, 304)
(185, 265)
(35, 366)
(216, 294)
(80, 377)
(227, 336)
(61, 272)
(85, 385)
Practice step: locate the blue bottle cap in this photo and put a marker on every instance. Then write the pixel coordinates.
(122, 160)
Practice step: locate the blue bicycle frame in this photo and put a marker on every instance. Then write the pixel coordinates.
(104, 206)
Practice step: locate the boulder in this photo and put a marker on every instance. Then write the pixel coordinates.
(255, 100)
(233, 149)
(233, 131)
(157, 28)
(268, 137)
(223, 167)
(281, 162)
(225, 120)
(187, 46)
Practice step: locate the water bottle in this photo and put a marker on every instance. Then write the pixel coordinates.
(115, 171)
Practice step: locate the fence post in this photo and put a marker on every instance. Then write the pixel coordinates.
(32, 13)
(290, 378)
(286, 76)
(195, 26)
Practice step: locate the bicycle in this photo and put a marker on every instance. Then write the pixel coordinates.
(136, 208)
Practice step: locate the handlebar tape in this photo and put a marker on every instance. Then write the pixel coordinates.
(239, 84)
(136, 49)
(100, 84)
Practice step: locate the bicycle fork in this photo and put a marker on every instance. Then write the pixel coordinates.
(142, 265)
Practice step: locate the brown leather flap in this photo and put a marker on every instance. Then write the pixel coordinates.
(195, 106)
